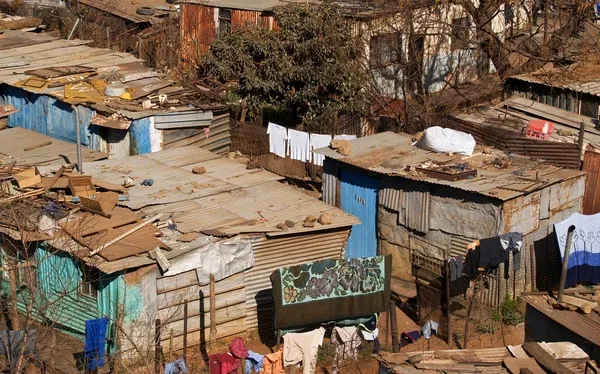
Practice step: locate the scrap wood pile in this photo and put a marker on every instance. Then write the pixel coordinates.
(531, 357)
(66, 204)
(127, 87)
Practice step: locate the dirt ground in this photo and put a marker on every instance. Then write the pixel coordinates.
(367, 364)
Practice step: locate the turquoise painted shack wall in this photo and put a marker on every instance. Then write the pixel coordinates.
(57, 298)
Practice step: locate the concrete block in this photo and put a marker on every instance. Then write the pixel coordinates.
(401, 267)
(462, 217)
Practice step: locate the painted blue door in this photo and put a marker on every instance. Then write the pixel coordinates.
(359, 197)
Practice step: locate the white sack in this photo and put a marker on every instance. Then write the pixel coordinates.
(443, 140)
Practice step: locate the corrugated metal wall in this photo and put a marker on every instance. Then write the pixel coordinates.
(46, 115)
(241, 17)
(591, 198)
(330, 181)
(174, 290)
(272, 254)
(218, 140)
(197, 30)
(358, 197)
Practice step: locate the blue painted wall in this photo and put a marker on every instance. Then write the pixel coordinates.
(140, 136)
(358, 196)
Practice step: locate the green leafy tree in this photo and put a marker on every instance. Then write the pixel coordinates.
(308, 66)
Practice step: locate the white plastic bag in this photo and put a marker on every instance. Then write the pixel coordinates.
(443, 140)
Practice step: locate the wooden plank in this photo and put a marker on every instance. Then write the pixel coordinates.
(448, 368)
(580, 303)
(108, 186)
(514, 365)
(87, 223)
(545, 359)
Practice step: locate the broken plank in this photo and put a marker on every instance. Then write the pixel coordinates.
(449, 368)
(580, 303)
(545, 359)
(162, 260)
(108, 186)
(125, 234)
(40, 145)
(514, 365)
(89, 224)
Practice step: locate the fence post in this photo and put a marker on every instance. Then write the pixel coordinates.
(185, 329)
(394, 326)
(157, 350)
(213, 311)
(448, 312)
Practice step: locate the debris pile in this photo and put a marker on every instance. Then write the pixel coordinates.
(66, 204)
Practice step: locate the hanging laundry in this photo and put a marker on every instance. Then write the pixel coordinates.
(344, 137)
(512, 242)
(491, 253)
(95, 341)
(319, 141)
(430, 327)
(471, 264)
(298, 145)
(584, 255)
(273, 363)
(456, 265)
(223, 363)
(370, 332)
(238, 348)
(346, 341)
(176, 367)
(303, 347)
(277, 137)
(254, 362)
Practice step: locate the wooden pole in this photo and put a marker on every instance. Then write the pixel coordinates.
(157, 349)
(185, 329)
(565, 264)
(171, 345)
(545, 22)
(203, 327)
(394, 327)
(213, 311)
(448, 312)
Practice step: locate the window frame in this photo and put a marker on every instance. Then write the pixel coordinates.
(380, 56)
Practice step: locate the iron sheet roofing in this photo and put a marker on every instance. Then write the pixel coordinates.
(21, 52)
(15, 141)
(226, 200)
(584, 325)
(581, 77)
(524, 176)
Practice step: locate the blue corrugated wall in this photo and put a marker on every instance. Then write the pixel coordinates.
(358, 196)
(140, 137)
(46, 115)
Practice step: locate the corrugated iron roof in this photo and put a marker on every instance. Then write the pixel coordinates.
(581, 77)
(15, 141)
(128, 9)
(257, 6)
(584, 325)
(23, 52)
(525, 176)
(226, 200)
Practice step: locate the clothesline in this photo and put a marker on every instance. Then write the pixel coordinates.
(299, 144)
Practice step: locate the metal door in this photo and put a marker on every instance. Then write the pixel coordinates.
(359, 197)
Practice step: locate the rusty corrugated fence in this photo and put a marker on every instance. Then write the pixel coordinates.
(591, 198)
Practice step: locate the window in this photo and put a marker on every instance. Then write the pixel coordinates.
(385, 49)
(589, 107)
(460, 33)
(224, 21)
(89, 283)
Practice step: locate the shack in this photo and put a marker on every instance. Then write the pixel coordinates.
(413, 205)
(574, 88)
(49, 82)
(224, 224)
(545, 323)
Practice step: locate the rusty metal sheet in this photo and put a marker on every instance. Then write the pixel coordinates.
(59, 71)
(115, 121)
(198, 30)
(591, 197)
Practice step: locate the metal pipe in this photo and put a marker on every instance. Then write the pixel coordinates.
(73, 29)
(565, 264)
(78, 129)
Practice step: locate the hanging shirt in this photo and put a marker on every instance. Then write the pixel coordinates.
(303, 347)
(471, 265)
(491, 253)
(346, 341)
(456, 268)
(176, 367)
(255, 362)
(512, 242)
(298, 145)
(584, 254)
(277, 137)
(95, 341)
(344, 137)
(223, 363)
(319, 141)
(273, 363)
(430, 327)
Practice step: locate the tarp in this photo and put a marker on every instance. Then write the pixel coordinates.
(331, 289)
(221, 259)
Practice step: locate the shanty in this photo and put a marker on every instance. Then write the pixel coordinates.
(283, 186)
